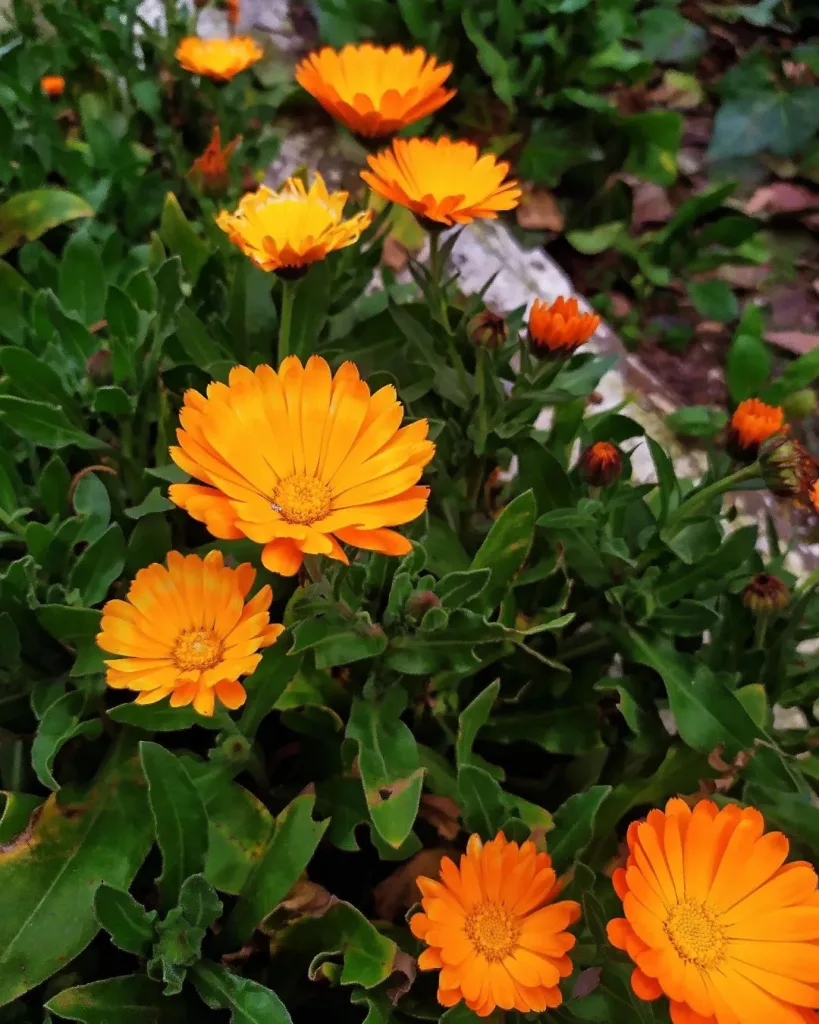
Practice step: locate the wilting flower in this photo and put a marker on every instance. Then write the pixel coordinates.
(299, 460)
(559, 329)
(211, 170)
(487, 330)
(288, 230)
(221, 59)
(788, 469)
(601, 464)
(493, 930)
(443, 181)
(52, 85)
(372, 90)
(715, 918)
(185, 632)
(765, 593)
(752, 423)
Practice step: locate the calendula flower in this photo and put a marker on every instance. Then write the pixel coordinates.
(716, 921)
(221, 59)
(442, 181)
(372, 90)
(601, 464)
(185, 632)
(559, 329)
(300, 460)
(52, 85)
(493, 931)
(765, 593)
(752, 423)
(288, 230)
(487, 330)
(211, 170)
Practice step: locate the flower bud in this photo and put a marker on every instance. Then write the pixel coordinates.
(800, 404)
(99, 367)
(788, 469)
(601, 464)
(765, 594)
(420, 601)
(487, 330)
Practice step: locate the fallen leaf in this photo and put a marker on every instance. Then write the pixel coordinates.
(620, 305)
(404, 968)
(794, 341)
(394, 254)
(399, 891)
(442, 813)
(678, 90)
(538, 210)
(651, 205)
(782, 197)
(745, 278)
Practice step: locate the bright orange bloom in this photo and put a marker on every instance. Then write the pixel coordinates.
(375, 91)
(186, 632)
(716, 920)
(211, 169)
(294, 227)
(218, 58)
(444, 181)
(559, 329)
(299, 460)
(601, 464)
(52, 85)
(752, 423)
(492, 929)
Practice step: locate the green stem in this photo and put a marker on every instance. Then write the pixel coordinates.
(288, 291)
(439, 297)
(702, 497)
(808, 582)
(760, 629)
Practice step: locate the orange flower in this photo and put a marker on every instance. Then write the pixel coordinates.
(292, 228)
(715, 919)
(559, 329)
(492, 929)
(752, 423)
(185, 632)
(441, 180)
(372, 90)
(211, 169)
(601, 464)
(299, 460)
(52, 85)
(218, 58)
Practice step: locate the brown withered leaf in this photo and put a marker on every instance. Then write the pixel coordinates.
(399, 891)
(782, 197)
(394, 254)
(404, 969)
(538, 210)
(794, 341)
(651, 205)
(587, 982)
(442, 813)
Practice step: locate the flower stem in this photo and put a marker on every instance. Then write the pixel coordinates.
(436, 270)
(288, 290)
(702, 497)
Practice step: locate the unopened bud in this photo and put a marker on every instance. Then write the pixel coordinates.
(487, 330)
(99, 367)
(800, 404)
(788, 469)
(420, 602)
(601, 464)
(765, 594)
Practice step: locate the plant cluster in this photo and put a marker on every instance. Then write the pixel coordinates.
(333, 682)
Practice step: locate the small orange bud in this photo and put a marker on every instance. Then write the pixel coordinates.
(211, 170)
(752, 423)
(487, 330)
(52, 85)
(420, 602)
(100, 367)
(601, 464)
(765, 593)
(559, 329)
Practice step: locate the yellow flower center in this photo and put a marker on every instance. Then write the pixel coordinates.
(197, 648)
(695, 933)
(493, 930)
(302, 499)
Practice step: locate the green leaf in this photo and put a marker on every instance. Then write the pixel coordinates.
(288, 853)
(33, 377)
(132, 999)
(180, 819)
(177, 232)
(506, 548)
(491, 60)
(50, 872)
(99, 565)
(248, 1001)
(574, 826)
(470, 720)
(459, 588)
(197, 343)
(155, 502)
(801, 373)
(337, 643)
(697, 421)
(113, 401)
(150, 541)
(714, 300)
(82, 286)
(129, 924)
(61, 722)
(483, 801)
(160, 717)
(748, 364)
(43, 423)
(69, 624)
(28, 215)
(782, 122)
(655, 141)
(593, 241)
(388, 761)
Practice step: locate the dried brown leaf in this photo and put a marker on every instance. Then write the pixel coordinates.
(538, 210)
(399, 891)
(442, 813)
